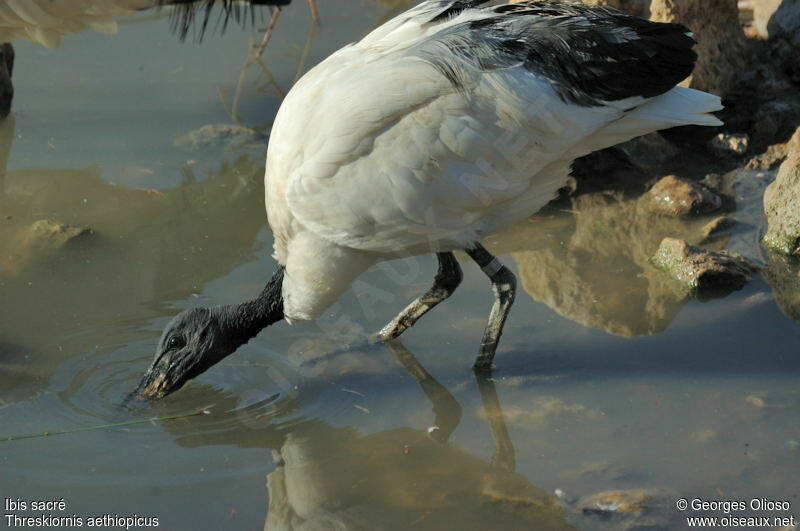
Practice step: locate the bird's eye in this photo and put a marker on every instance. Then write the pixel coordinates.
(175, 342)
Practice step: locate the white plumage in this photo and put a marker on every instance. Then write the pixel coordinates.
(375, 153)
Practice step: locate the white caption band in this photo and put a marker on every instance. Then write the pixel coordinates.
(492, 267)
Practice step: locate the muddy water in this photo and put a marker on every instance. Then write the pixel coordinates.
(609, 378)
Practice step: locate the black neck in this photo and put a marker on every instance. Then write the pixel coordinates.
(242, 322)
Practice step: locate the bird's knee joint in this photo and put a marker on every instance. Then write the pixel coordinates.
(450, 280)
(505, 281)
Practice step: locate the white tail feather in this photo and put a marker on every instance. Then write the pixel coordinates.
(679, 106)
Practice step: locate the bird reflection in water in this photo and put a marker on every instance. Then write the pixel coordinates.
(338, 478)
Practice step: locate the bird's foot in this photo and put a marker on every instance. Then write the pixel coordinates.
(483, 364)
(483, 369)
(312, 4)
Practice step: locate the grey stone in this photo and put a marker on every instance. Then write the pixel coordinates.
(721, 51)
(785, 22)
(782, 273)
(763, 10)
(219, 136)
(637, 8)
(629, 510)
(782, 203)
(731, 143)
(717, 226)
(682, 197)
(700, 270)
(41, 239)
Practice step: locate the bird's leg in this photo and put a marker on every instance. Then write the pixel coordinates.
(267, 34)
(446, 409)
(447, 280)
(504, 285)
(503, 457)
(312, 4)
(6, 139)
(6, 87)
(496, 483)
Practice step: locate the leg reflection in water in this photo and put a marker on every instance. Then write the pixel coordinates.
(6, 138)
(404, 478)
(446, 409)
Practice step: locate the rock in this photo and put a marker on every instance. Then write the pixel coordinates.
(617, 501)
(39, 240)
(762, 13)
(629, 510)
(6, 87)
(608, 170)
(591, 264)
(637, 8)
(720, 40)
(785, 22)
(782, 273)
(712, 181)
(701, 270)
(52, 235)
(716, 226)
(756, 401)
(682, 197)
(768, 160)
(652, 152)
(775, 121)
(783, 29)
(782, 203)
(728, 143)
(220, 136)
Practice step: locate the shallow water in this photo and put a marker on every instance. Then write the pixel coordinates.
(607, 378)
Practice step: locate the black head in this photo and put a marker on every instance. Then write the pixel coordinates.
(197, 339)
(191, 343)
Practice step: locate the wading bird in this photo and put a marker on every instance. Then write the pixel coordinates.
(450, 121)
(46, 21)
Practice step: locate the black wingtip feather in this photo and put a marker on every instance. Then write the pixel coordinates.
(590, 54)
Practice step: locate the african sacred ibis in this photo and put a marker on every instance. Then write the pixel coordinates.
(450, 121)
